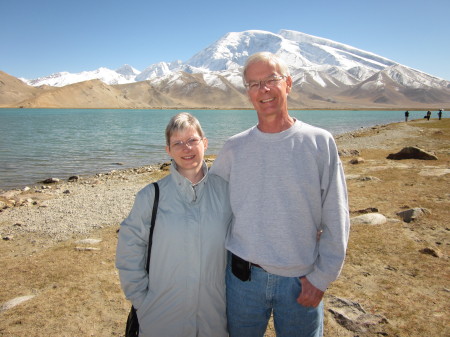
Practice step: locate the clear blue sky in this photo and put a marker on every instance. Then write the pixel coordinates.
(40, 37)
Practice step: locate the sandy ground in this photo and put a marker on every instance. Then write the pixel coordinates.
(396, 271)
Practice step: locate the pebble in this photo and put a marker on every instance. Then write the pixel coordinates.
(14, 302)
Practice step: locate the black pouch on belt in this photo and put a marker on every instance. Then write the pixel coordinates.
(240, 268)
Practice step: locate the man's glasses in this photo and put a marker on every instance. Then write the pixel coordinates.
(191, 142)
(268, 82)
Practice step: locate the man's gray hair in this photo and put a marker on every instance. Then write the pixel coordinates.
(268, 57)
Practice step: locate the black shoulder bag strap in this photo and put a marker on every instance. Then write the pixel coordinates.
(152, 225)
(132, 327)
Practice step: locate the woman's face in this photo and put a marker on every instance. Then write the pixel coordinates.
(187, 148)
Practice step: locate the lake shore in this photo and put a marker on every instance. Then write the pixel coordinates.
(73, 282)
(41, 144)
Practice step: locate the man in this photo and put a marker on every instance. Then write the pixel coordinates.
(289, 199)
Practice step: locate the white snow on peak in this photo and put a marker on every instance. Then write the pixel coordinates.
(412, 78)
(214, 81)
(330, 45)
(160, 69)
(65, 78)
(128, 71)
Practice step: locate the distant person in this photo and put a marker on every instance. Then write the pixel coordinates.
(287, 189)
(440, 114)
(428, 115)
(184, 292)
(406, 115)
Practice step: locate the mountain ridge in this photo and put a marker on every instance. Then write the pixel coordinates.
(326, 74)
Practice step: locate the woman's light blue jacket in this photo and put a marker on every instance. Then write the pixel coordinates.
(184, 293)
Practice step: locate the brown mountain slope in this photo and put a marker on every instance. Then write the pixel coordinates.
(88, 94)
(13, 90)
(192, 91)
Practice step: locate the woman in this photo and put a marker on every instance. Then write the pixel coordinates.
(184, 292)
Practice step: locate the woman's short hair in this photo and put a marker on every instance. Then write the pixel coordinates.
(268, 57)
(180, 122)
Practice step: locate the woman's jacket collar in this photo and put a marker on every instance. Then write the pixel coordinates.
(188, 191)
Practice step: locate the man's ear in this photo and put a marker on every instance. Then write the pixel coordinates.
(288, 84)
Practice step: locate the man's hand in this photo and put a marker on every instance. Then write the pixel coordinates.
(310, 295)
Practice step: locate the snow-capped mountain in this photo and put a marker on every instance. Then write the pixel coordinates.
(322, 70)
(228, 54)
(125, 74)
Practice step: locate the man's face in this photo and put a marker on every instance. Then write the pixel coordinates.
(267, 99)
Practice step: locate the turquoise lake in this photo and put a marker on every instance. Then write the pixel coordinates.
(36, 144)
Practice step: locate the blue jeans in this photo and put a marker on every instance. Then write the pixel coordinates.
(250, 304)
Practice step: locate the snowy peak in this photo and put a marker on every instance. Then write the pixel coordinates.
(128, 71)
(125, 74)
(158, 70)
(323, 72)
(231, 51)
(299, 50)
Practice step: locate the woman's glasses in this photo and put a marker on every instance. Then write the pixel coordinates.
(190, 143)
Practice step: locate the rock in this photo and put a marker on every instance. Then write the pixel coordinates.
(348, 153)
(412, 152)
(165, 166)
(369, 178)
(413, 214)
(434, 172)
(369, 219)
(3, 204)
(50, 181)
(26, 189)
(431, 251)
(391, 268)
(73, 178)
(86, 249)
(352, 316)
(16, 301)
(358, 160)
(89, 241)
(367, 210)
(352, 176)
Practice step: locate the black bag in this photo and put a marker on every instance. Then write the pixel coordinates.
(132, 327)
(240, 268)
